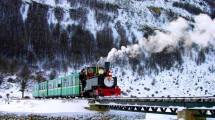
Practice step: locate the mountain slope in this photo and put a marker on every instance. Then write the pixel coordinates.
(57, 35)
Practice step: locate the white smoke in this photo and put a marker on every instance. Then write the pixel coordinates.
(180, 30)
(203, 33)
(161, 40)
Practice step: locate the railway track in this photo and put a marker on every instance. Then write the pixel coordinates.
(197, 106)
(187, 102)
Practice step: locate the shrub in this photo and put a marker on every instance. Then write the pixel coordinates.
(155, 10)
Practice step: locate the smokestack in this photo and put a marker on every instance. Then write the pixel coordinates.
(107, 65)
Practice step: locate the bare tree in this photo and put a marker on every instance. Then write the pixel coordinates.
(24, 75)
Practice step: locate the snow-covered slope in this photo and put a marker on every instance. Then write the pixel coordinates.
(132, 15)
(190, 74)
(161, 57)
(189, 80)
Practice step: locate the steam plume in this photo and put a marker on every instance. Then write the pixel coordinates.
(202, 33)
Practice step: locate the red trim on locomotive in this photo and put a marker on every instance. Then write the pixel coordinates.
(116, 91)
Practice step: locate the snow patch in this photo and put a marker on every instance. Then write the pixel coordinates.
(24, 11)
(51, 17)
(91, 24)
(45, 106)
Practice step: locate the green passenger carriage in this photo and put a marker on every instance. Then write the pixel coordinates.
(68, 85)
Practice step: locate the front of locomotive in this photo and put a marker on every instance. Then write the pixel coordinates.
(103, 84)
(107, 83)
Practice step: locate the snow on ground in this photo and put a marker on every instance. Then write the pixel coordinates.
(45, 106)
(72, 108)
(150, 116)
(61, 107)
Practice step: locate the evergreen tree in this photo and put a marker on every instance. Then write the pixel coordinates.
(39, 77)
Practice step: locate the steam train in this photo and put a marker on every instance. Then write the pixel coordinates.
(90, 82)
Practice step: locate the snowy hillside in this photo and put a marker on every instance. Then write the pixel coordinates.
(158, 48)
(188, 72)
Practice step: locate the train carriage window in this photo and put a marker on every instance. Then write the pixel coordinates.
(71, 81)
(76, 80)
(41, 87)
(52, 83)
(55, 84)
(59, 81)
(64, 82)
(50, 86)
(67, 82)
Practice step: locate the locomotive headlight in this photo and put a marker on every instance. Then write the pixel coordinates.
(101, 71)
(109, 81)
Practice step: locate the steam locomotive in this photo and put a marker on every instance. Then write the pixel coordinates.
(90, 82)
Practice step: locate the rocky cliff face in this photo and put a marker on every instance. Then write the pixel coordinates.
(77, 32)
